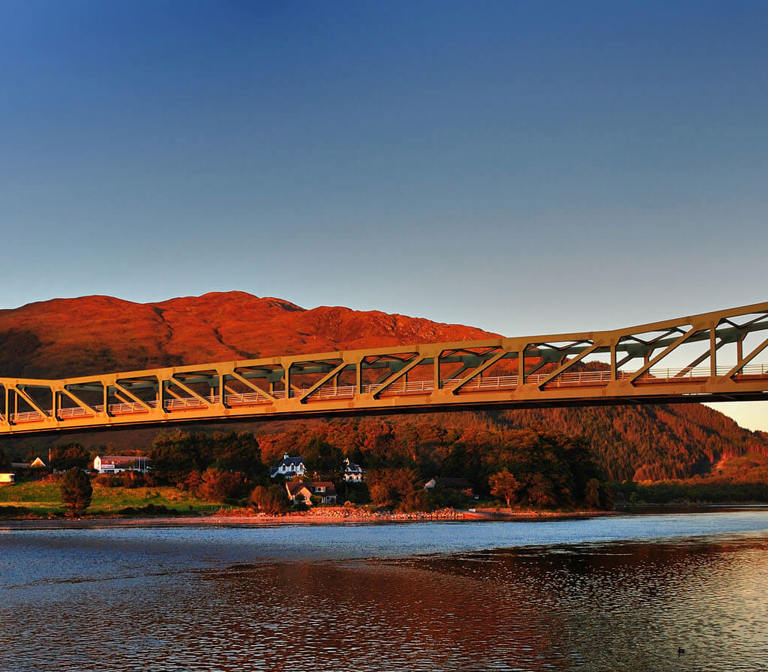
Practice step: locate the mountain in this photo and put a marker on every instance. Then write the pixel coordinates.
(98, 334)
(95, 334)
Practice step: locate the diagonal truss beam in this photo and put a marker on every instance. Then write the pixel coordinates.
(711, 350)
(22, 393)
(380, 387)
(746, 360)
(329, 376)
(478, 370)
(234, 374)
(130, 395)
(190, 391)
(85, 406)
(650, 364)
(567, 365)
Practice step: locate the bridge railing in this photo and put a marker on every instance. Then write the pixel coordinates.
(410, 387)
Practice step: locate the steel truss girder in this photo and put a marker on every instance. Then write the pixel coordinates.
(564, 382)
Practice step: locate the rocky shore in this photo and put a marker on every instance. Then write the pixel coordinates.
(321, 516)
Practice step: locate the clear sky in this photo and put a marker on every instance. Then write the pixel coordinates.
(526, 167)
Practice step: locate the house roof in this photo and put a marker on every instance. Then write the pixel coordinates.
(37, 462)
(289, 460)
(352, 468)
(330, 489)
(294, 488)
(121, 459)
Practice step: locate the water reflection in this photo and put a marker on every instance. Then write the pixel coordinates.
(601, 606)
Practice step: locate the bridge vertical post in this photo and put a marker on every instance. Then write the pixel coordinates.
(521, 366)
(159, 395)
(287, 377)
(359, 376)
(614, 367)
(740, 351)
(436, 383)
(713, 351)
(222, 390)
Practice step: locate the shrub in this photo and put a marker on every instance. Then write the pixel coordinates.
(216, 485)
(76, 490)
(272, 499)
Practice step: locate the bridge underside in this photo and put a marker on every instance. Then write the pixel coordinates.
(708, 357)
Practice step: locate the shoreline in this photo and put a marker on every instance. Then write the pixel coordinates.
(327, 516)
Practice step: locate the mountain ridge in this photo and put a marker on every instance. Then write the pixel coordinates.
(81, 336)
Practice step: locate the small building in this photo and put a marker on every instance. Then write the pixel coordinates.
(289, 467)
(7, 478)
(115, 464)
(461, 485)
(299, 493)
(302, 492)
(37, 463)
(353, 473)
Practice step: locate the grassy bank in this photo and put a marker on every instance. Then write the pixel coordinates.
(43, 498)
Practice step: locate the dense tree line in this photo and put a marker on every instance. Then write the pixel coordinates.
(218, 467)
(551, 468)
(643, 443)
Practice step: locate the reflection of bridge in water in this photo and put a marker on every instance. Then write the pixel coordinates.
(707, 357)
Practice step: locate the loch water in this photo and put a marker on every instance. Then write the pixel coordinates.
(634, 593)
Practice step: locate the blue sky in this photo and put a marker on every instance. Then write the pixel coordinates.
(527, 167)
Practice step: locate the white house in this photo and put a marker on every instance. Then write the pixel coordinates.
(303, 492)
(353, 473)
(288, 467)
(7, 478)
(115, 464)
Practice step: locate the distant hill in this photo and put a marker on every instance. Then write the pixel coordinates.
(97, 334)
(94, 334)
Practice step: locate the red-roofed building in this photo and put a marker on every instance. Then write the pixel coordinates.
(303, 492)
(115, 464)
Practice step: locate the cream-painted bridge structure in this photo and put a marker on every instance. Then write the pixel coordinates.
(709, 357)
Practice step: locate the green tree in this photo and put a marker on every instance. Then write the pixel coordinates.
(272, 499)
(504, 484)
(323, 458)
(177, 454)
(68, 456)
(592, 493)
(540, 491)
(398, 488)
(217, 485)
(238, 451)
(76, 490)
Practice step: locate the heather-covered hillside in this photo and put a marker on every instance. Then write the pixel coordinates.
(98, 333)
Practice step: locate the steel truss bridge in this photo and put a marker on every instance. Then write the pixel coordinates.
(707, 357)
